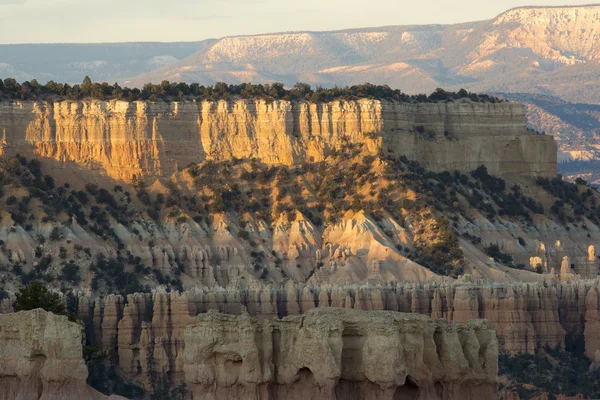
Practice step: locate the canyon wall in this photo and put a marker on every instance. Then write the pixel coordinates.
(524, 316)
(41, 358)
(327, 353)
(340, 354)
(121, 139)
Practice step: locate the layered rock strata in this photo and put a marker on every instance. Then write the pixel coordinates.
(524, 316)
(41, 358)
(340, 354)
(156, 139)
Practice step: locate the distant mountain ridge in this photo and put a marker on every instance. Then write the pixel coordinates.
(541, 50)
(104, 62)
(548, 50)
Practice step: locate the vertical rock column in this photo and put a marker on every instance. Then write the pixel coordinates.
(506, 309)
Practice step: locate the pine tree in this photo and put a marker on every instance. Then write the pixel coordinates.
(86, 86)
(36, 295)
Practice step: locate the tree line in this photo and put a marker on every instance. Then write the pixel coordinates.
(172, 91)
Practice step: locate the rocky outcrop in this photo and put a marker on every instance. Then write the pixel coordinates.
(157, 139)
(326, 353)
(524, 316)
(41, 358)
(340, 354)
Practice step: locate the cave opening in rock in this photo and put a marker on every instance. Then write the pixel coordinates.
(306, 382)
(409, 391)
(38, 360)
(306, 375)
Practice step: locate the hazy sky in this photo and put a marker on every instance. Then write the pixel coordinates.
(44, 21)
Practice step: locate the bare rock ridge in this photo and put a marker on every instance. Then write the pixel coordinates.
(41, 358)
(524, 316)
(157, 139)
(340, 354)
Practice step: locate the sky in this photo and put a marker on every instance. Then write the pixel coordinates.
(96, 21)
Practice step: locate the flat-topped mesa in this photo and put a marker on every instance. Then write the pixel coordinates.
(157, 138)
(340, 354)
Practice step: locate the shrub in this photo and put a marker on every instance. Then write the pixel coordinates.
(70, 273)
(103, 196)
(91, 188)
(494, 251)
(491, 183)
(55, 234)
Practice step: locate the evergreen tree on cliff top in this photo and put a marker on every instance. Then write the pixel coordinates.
(36, 295)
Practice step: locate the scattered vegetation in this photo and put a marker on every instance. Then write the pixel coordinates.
(441, 254)
(110, 277)
(351, 179)
(553, 370)
(574, 200)
(510, 203)
(57, 200)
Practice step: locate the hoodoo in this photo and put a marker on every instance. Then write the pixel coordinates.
(340, 354)
(211, 226)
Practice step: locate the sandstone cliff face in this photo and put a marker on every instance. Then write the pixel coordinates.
(156, 139)
(340, 354)
(524, 316)
(41, 358)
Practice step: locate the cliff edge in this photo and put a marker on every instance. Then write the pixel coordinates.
(340, 354)
(41, 358)
(156, 139)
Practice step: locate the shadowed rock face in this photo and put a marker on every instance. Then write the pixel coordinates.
(157, 139)
(327, 353)
(340, 354)
(41, 358)
(524, 316)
